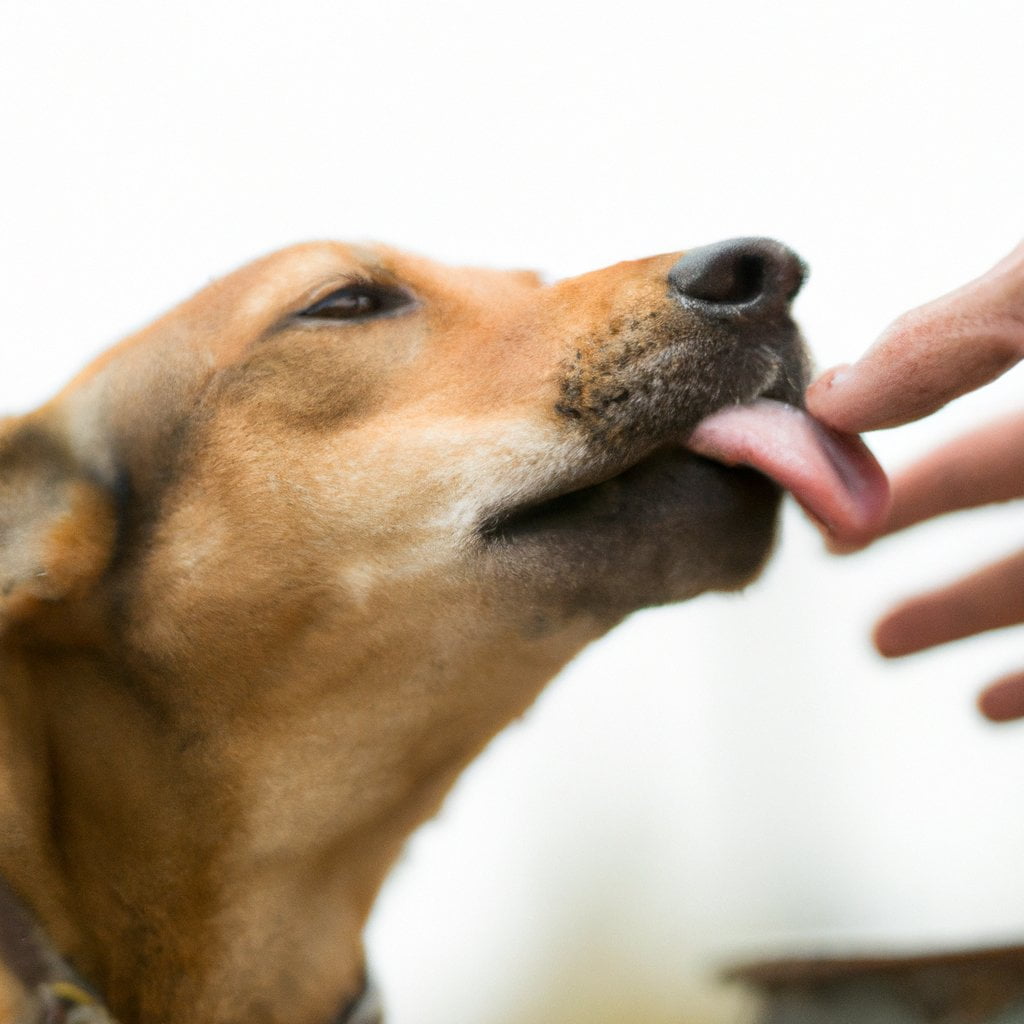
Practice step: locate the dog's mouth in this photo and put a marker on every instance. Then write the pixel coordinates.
(600, 498)
(833, 476)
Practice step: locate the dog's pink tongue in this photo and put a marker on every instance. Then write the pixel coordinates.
(832, 475)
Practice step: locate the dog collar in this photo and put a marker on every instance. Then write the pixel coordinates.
(57, 995)
(62, 1002)
(60, 997)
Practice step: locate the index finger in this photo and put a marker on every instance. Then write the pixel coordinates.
(980, 468)
(930, 355)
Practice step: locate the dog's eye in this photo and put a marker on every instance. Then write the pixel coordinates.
(358, 302)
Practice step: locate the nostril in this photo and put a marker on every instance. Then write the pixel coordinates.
(747, 280)
(739, 272)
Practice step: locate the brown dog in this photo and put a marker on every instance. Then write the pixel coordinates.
(276, 568)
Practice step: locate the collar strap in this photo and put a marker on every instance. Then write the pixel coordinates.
(23, 950)
(58, 993)
(62, 1002)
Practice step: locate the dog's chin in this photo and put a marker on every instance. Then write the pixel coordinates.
(666, 529)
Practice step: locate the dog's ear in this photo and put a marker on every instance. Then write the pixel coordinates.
(57, 526)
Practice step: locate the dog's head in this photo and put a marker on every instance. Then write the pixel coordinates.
(296, 551)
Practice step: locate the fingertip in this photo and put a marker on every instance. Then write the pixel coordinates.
(908, 628)
(822, 393)
(1003, 701)
(886, 637)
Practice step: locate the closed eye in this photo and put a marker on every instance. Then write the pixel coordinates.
(359, 301)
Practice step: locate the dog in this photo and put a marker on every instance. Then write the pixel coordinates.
(276, 568)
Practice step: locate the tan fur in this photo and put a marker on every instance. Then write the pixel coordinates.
(251, 633)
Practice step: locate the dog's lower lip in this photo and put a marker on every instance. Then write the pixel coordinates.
(500, 526)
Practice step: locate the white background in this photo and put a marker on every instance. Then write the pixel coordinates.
(732, 775)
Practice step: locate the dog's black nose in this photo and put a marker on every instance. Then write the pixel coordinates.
(742, 274)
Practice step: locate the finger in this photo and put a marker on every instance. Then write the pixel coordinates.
(980, 468)
(988, 599)
(930, 355)
(1003, 701)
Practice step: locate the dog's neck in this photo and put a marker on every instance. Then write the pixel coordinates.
(141, 880)
(156, 846)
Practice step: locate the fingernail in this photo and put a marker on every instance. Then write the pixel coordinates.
(820, 392)
(838, 375)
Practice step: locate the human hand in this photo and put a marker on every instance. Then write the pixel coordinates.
(922, 361)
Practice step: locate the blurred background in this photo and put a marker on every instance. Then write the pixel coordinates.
(736, 776)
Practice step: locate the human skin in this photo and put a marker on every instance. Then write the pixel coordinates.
(922, 361)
